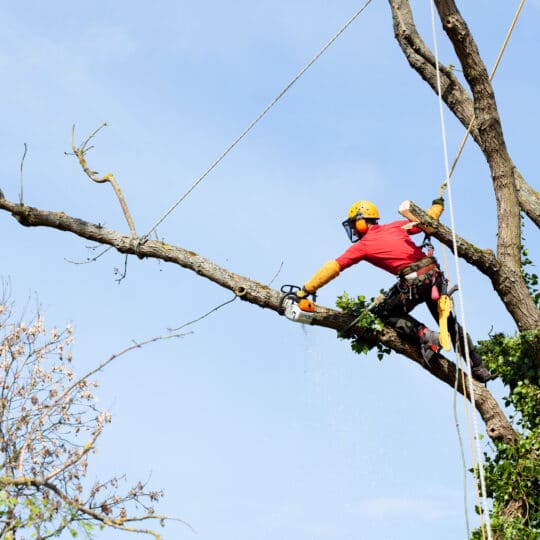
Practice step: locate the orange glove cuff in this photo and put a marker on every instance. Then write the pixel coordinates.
(327, 273)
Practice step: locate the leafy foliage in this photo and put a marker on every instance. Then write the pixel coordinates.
(365, 320)
(513, 472)
(530, 278)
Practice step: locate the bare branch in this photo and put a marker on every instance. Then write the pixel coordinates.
(47, 410)
(114, 522)
(43, 410)
(423, 61)
(21, 193)
(80, 153)
(77, 457)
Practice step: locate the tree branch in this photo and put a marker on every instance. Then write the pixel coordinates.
(117, 523)
(454, 95)
(423, 61)
(80, 153)
(483, 259)
(253, 292)
(490, 133)
(507, 282)
(77, 456)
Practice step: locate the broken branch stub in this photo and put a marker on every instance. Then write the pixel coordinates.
(80, 153)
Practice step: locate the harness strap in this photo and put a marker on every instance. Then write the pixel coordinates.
(418, 265)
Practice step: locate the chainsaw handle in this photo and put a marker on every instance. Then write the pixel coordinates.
(291, 290)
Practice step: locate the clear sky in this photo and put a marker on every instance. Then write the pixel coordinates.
(255, 427)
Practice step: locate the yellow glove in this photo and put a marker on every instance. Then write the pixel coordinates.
(436, 209)
(327, 273)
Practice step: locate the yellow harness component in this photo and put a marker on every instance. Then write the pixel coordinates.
(444, 305)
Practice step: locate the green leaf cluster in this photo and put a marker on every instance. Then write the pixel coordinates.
(364, 319)
(530, 278)
(37, 516)
(513, 471)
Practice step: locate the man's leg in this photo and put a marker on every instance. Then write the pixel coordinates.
(394, 311)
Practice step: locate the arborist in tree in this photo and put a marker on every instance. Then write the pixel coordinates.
(420, 280)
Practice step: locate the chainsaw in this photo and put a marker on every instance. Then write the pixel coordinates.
(296, 309)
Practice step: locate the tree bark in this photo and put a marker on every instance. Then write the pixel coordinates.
(457, 99)
(490, 133)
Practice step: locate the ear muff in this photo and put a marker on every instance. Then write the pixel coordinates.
(361, 226)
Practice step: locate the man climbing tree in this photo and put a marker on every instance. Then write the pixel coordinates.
(468, 94)
(420, 279)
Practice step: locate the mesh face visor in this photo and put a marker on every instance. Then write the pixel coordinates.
(350, 229)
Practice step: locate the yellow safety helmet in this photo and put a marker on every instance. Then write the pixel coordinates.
(363, 209)
(356, 225)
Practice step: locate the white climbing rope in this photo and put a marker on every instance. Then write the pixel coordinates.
(459, 282)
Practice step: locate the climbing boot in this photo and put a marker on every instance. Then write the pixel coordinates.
(429, 344)
(478, 369)
(482, 374)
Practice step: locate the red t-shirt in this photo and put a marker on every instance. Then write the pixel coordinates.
(386, 246)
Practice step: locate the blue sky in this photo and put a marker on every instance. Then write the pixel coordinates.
(255, 427)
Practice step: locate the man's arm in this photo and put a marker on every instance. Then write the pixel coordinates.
(326, 273)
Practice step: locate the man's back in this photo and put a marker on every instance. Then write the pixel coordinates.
(387, 246)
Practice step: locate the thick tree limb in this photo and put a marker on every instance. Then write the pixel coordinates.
(256, 293)
(423, 61)
(529, 198)
(490, 133)
(458, 100)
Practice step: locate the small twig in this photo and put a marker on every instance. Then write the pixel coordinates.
(80, 153)
(121, 274)
(203, 316)
(90, 260)
(276, 274)
(90, 137)
(52, 406)
(22, 176)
